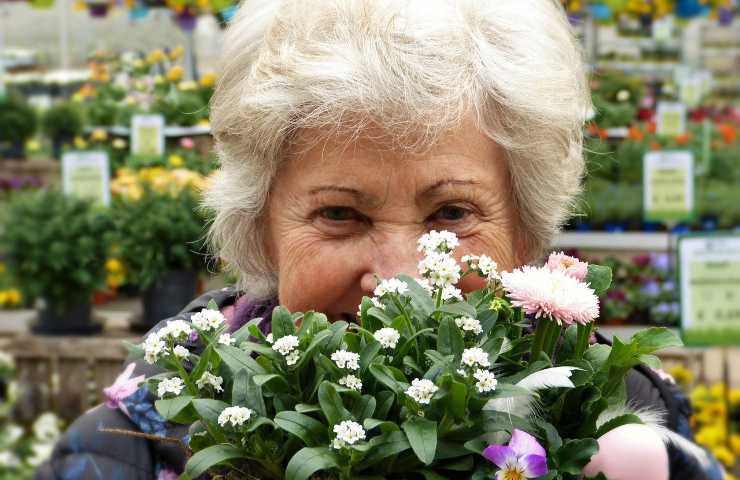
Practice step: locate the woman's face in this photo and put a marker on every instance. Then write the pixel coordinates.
(345, 211)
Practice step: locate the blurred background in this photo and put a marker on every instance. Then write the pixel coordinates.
(105, 146)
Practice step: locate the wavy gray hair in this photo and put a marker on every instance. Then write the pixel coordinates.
(414, 67)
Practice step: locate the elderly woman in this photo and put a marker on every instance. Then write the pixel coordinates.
(348, 128)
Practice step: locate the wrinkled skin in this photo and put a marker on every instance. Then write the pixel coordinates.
(344, 211)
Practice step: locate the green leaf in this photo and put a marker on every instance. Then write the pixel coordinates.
(456, 398)
(249, 347)
(282, 323)
(212, 305)
(657, 338)
(390, 377)
(651, 361)
(273, 382)
(308, 461)
(237, 359)
(317, 342)
(209, 409)
(245, 392)
(460, 309)
(171, 407)
(335, 342)
(384, 446)
(210, 457)
(575, 454)
(309, 430)
(203, 362)
(599, 278)
(617, 422)
(331, 404)
(250, 329)
(422, 435)
(363, 408)
(306, 408)
(385, 425)
(450, 339)
(419, 296)
(385, 401)
(368, 353)
(551, 436)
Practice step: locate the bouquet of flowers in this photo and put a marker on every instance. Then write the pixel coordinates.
(428, 383)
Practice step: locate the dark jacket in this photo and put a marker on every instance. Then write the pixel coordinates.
(86, 452)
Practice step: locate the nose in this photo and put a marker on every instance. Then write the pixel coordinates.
(393, 256)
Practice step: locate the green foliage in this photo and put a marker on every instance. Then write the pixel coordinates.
(160, 232)
(17, 120)
(56, 246)
(63, 120)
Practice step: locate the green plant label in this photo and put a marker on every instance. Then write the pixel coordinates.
(147, 135)
(668, 186)
(86, 175)
(671, 119)
(710, 289)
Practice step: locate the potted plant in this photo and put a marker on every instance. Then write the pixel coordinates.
(62, 123)
(56, 247)
(159, 228)
(17, 124)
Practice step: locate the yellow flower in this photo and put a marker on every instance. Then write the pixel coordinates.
(175, 73)
(176, 53)
(735, 443)
(115, 280)
(3, 298)
(712, 436)
(204, 123)
(682, 375)
(2, 267)
(14, 296)
(80, 143)
(33, 145)
(119, 144)
(155, 56)
(208, 80)
(139, 63)
(724, 455)
(99, 135)
(113, 265)
(175, 161)
(735, 397)
(718, 391)
(187, 85)
(158, 80)
(203, 4)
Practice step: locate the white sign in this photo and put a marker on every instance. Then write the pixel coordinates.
(671, 119)
(709, 267)
(147, 135)
(668, 185)
(87, 175)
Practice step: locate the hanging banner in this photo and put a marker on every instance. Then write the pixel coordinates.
(86, 175)
(147, 135)
(709, 275)
(668, 186)
(671, 119)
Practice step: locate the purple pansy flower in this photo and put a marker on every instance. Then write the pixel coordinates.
(522, 458)
(123, 387)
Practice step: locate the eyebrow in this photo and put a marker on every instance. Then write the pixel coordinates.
(362, 197)
(434, 189)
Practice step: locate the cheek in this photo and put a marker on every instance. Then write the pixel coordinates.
(313, 274)
(496, 242)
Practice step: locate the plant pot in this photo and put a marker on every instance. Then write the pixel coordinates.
(75, 320)
(186, 20)
(98, 10)
(166, 298)
(57, 144)
(15, 150)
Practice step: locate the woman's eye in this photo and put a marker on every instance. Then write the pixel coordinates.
(340, 214)
(451, 213)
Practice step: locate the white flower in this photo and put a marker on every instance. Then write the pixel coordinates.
(236, 416)
(392, 286)
(377, 304)
(348, 432)
(486, 381)
(388, 337)
(14, 433)
(172, 385)
(181, 352)
(46, 427)
(285, 344)
(475, 357)
(425, 285)
(209, 379)
(41, 453)
(175, 329)
(293, 357)
(153, 347)
(269, 338)
(9, 459)
(623, 95)
(225, 339)
(6, 360)
(351, 381)
(422, 390)
(208, 320)
(450, 292)
(435, 241)
(345, 359)
(484, 265)
(468, 324)
(440, 269)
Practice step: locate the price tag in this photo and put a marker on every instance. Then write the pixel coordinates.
(668, 186)
(87, 175)
(663, 29)
(692, 90)
(147, 135)
(671, 119)
(709, 267)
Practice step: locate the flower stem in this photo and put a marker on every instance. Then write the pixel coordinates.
(582, 340)
(551, 338)
(539, 339)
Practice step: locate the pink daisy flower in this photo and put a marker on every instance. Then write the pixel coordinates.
(570, 265)
(542, 292)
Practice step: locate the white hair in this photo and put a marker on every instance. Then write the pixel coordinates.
(416, 68)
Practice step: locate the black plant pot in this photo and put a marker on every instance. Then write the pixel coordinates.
(76, 320)
(57, 143)
(166, 298)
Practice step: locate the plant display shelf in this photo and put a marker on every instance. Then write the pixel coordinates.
(623, 241)
(169, 131)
